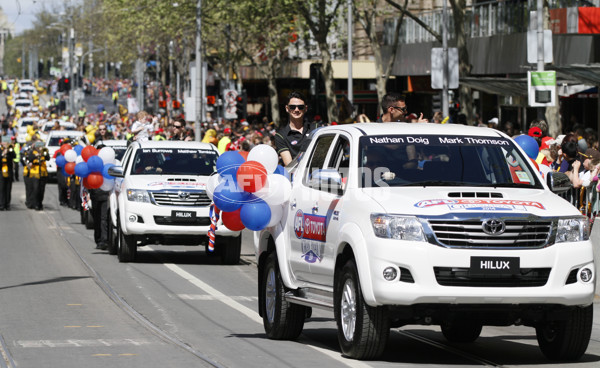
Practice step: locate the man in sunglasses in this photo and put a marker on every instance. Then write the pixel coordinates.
(178, 130)
(291, 138)
(394, 109)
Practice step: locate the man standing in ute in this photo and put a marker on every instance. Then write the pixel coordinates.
(291, 139)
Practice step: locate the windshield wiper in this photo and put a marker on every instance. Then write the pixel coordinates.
(512, 185)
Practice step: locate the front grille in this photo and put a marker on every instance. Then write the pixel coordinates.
(527, 277)
(469, 233)
(168, 220)
(180, 198)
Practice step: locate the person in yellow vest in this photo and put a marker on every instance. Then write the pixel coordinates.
(6, 179)
(38, 173)
(222, 145)
(115, 97)
(17, 158)
(4, 87)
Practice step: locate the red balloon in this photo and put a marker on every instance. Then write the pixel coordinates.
(251, 176)
(232, 220)
(87, 152)
(70, 168)
(244, 154)
(94, 181)
(65, 147)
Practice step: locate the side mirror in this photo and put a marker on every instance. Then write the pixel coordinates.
(116, 171)
(328, 180)
(558, 182)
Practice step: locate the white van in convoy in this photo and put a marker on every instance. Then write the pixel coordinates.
(401, 224)
(159, 197)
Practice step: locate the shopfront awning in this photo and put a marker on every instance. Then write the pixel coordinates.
(497, 86)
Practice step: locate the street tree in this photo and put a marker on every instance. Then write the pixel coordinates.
(320, 16)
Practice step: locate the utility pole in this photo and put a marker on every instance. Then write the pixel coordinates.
(541, 111)
(199, 76)
(71, 76)
(350, 81)
(445, 102)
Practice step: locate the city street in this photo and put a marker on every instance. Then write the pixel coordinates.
(66, 304)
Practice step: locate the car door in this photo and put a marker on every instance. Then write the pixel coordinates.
(307, 228)
(327, 205)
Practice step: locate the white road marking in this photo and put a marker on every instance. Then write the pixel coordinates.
(212, 297)
(73, 343)
(217, 295)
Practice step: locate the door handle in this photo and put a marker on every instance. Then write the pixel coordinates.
(315, 208)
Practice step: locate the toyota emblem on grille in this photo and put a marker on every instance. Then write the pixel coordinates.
(493, 226)
(183, 195)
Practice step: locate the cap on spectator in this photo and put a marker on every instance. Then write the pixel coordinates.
(591, 154)
(13, 138)
(493, 121)
(535, 132)
(582, 144)
(317, 117)
(559, 139)
(227, 131)
(547, 142)
(244, 122)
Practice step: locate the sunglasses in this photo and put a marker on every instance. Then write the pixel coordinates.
(403, 109)
(177, 126)
(294, 107)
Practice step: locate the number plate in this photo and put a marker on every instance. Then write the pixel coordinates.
(183, 215)
(484, 266)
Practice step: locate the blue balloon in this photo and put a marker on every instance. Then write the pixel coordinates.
(228, 197)
(255, 215)
(78, 148)
(529, 145)
(82, 170)
(282, 171)
(105, 171)
(95, 164)
(228, 163)
(60, 161)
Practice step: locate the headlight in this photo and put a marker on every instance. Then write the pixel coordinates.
(137, 195)
(572, 230)
(397, 227)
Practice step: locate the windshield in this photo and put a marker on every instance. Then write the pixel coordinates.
(56, 140)
(119, 151)
(174, 161)
(25, 123)
(431, 160)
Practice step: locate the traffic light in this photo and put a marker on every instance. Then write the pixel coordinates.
(61, 85)
(454, 110)
(67, 84)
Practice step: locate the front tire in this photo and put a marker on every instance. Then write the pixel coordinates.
(128, 248)
(113, 238)
(282, 320)
(362, 330)
(566, 340)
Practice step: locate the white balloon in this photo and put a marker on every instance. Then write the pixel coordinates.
(276, 215)
(70, 155)
(79, 159)
(276, 191)
(212, 183)
(107, 154)
(107, 184)
(266, 155)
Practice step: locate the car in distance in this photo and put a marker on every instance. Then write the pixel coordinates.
(54, 141)
(160, 196)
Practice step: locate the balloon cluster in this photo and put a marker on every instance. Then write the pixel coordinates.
(88, 163)
(251, 191)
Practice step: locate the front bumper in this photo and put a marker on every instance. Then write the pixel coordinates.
(432, 274)
(150, 219)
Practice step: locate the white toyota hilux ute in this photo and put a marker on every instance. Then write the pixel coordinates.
(159, 197)
(401, 224)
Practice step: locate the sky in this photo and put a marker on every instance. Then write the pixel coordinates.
(22, 12)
